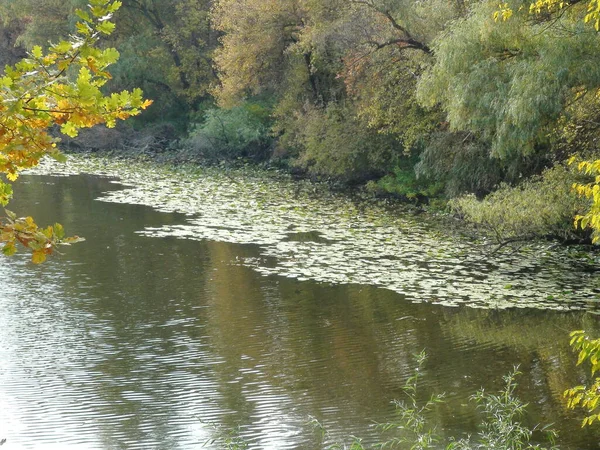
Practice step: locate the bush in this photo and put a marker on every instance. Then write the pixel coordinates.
(240, 132)
(540, 206)
(332, 142)
(404, 183)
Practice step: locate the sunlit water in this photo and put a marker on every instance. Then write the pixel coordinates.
(234, 302)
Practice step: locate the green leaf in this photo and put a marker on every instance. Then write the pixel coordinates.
(36, 51)
(6, 82)
(62, 47)
(83, 15)
(11, 215)
(106, 27)
(9, 249)
(114, 6)
(83, 29)
(6, 193)
(69, 129)
(59, 231)
(59, 156)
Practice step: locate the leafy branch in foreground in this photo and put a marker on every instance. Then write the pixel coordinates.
(587, 397)
(591, 14)
(41, 241)
(59, 87)
(591, 218)
(501, 428)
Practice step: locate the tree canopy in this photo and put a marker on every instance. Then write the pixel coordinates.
(410, 99)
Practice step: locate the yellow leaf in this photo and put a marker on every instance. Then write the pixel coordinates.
(38, 257)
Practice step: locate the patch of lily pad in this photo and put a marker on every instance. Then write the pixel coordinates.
(314, 234)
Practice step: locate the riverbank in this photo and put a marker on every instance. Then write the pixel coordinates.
(541, 208)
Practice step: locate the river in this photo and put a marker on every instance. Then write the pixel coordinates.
(213, 301)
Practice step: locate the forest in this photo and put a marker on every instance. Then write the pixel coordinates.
(469, 105)
(470, 111)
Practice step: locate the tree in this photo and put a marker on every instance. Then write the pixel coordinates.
(59, 87)
(259, 37)
(588, 349)
(179, 40)
(165, 46)
(510, 82)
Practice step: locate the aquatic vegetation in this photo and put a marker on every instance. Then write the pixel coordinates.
(344, 240)
(411, 426)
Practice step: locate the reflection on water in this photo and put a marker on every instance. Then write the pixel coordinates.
(130, 341)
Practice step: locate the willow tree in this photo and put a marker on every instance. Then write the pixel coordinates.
(60, 87)
(511, 81)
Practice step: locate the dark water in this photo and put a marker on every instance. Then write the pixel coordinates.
(136, 342)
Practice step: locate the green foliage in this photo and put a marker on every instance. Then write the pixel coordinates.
(254, 52)
(411, 416)
(590, 14)
(165, 46)
(540, 206)
(577, 130)
(501, 428)
(341, 74)
(334, 143)
(60, 87)
(403, 182)
(463, 164)
(587, 397)
(242, 131)
(459, 162)
(41, 241)
(509, 82)
(584, 86)
(591, 190)
(383, 87)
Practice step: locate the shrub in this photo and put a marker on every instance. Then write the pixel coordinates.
(240, 132)
(403, 182)
(334, 143)
(540, 206)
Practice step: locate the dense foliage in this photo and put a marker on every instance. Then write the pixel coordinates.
(60, 87)
(416, 100)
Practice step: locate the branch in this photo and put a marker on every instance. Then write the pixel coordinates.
(407, 41)
(402, 43)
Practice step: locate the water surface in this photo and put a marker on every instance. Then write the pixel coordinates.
(259, 311)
